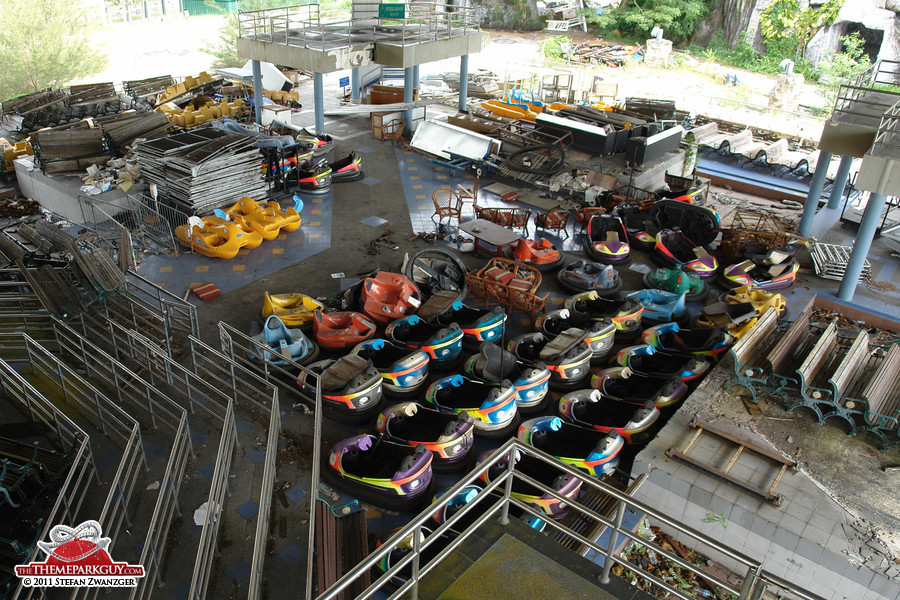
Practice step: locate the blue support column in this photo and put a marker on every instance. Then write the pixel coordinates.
(319, 102)
(861, 248)
(408, 94)
(815, 193)
(416, 77)
(840, 182)
(463, 81)
(257, 90)
(354, 83)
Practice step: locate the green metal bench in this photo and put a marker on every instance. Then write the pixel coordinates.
(749, 353)
(788, 355)
(882, 394)
(848, 382)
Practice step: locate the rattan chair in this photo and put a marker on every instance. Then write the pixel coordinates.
(448, 204)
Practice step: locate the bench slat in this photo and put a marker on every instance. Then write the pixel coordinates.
(880, 393)
(852, 364)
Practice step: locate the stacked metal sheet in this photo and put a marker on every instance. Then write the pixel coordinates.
(203, 169)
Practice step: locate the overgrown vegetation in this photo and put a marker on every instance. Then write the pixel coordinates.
(556, 46)
(784, 21)
(518, 15)
(678, 18)
(838, 66)
(42, 44)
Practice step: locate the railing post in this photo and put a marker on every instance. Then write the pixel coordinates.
(507, 489)
(613, 541)
(750, 583)
(417, 548)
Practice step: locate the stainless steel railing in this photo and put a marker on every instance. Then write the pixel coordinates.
(755, 579)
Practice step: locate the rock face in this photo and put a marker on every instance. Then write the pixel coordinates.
(786, 92)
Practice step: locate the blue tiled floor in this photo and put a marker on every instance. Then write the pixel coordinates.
(248, 509)
(182, 590)
(255, 456)
(155, 451)
(106, 461)
(242, 426)
(176, 273)
(198, 437)
(292, 554)
(239, 572)
(295, 494)
(208, 471)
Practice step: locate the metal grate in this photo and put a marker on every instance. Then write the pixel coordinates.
(830, 262)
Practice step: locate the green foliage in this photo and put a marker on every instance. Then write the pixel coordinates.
(744, 56)
(225, 53)
(836, 67)
(784, 20)
(518, 15)
(678, 18)
(42, 44)
(556, 46)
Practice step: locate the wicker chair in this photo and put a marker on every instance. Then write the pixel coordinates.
(556, 219)
(394, 131)
(448, 204)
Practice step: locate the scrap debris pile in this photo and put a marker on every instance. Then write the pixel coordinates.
(672, 573)
(18, 207)
(879, 336)
(601, 52)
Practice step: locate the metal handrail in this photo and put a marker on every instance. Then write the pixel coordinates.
(884, 146)
(265, 501)
(754, 582)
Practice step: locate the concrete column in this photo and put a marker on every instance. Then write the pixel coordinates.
(354, 83)
(840, 182)
(416, 77)
(408, 94)
(319, 102)
(257, 90)
(815, 192)
(864, 238)
(463, 81)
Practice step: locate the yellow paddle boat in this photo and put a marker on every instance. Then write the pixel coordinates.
(266, 218)
(216, 237)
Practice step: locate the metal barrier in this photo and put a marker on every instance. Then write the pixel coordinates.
(882, 73)
(218, 488)
(260, 540)
(886, 145)
(755, 579)
(130, 389)
(178, 315)
(157, 221)
(244, 384)
(238, 346)
(82, 470)
(166, 506)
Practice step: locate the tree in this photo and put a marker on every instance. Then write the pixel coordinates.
(784, 19)
(43, 43)
(678, 18)
(840, 66)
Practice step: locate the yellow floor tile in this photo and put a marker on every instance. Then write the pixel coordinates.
(202, 269)
(317, 201)
(315, 223)
(277, 250)
(165, 269)
(420, 196)
(411, 177)
(412, 168)
(417, 187)
(238, 267)
(316, 211)
(244, 251)
(314, 236)
(282, 237)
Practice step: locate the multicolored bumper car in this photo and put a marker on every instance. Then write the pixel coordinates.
(442, 343)
(277, 344)
(649, 360)
(598, 335)
(625, 314)
(347, 169)
(775, 270)
(540, 254)
(478, 325)
(450, 437)
(404, 370)
(669, 337)
(759, 299)
(624, 384)
(584, 275)
(378, 471)
(606, 240)
(660, 306)
(639, 226)
(587, 449)
(673, 248)
(388, 296)
(311, 178)
(567, 356)
(215, 237)
(589, 408)
(567, 486)
(494, 365)
(677, 281)
(351, 386)
(341, 330)
(294, 310)
(493, 407)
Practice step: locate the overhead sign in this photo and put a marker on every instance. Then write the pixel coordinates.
(344, 82)
(391, 11)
